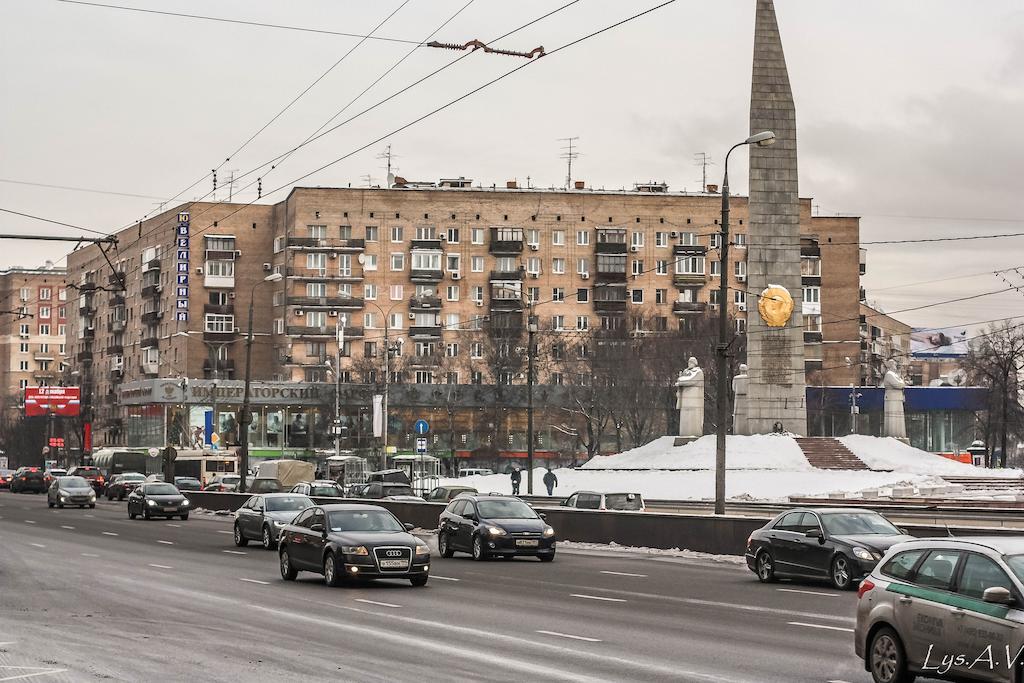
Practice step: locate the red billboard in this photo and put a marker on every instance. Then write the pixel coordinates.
(63, 401)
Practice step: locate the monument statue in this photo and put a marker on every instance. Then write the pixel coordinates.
(895, 422)
(690, 400)
(739, 406)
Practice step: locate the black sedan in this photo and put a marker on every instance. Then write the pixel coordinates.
(486, 525)
(28, 479)
(157, 499)
(841, 545)
(349, 542)
(188, 484)
(262, 517)
(120, 485)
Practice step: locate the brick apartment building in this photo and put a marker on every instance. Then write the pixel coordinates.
(429, 264)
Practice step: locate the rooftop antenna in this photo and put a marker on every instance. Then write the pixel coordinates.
(231, 183)
(568, 154)
(367, 178)
(388, 156)
(703, 159)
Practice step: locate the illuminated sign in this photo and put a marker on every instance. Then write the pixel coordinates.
(64, 401)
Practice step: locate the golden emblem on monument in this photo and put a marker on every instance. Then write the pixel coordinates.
(775, 306)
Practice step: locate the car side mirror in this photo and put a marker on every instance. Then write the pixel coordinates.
(408, 527)
(813, 533)
(542, 515)
(997, 595)
(471, 516)
(318, 528)
(902, 531)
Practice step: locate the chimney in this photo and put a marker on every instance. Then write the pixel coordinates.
(580, 185)
(712, 189)
(511, 185)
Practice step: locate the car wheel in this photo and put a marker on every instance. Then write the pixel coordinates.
(240, 540)
(765, 567)
(419, 580)
(49, 504)
(145, 513)
(131, 515)
(288, 572)
(479, 554)
(444, 546)
(886, 658)
(92, 506)
(840, 573)
(268, 539)
(184, 517)
(120, 496)
(60, 505)
(332, 574)
(546, 558)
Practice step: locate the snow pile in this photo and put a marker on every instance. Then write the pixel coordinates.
(614, 547)
(771, 452)
(892, 454)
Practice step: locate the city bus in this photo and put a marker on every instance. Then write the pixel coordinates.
(204, 465)
(113, 461)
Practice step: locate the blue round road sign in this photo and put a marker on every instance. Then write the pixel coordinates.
(421, 427)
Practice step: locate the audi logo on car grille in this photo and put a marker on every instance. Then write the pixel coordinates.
(392, 553)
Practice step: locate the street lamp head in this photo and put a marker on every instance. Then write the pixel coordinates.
(273, 277)
(762, 139)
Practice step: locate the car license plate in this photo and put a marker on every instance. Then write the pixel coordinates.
(527, 542)
(171, 509)
(394, 564)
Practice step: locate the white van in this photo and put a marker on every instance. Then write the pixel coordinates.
(474, 471)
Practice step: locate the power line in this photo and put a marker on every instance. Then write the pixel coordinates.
(78, 189)
(240, 21)
(50, 220)
(944, 279)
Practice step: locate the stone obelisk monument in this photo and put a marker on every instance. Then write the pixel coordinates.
(775, 353)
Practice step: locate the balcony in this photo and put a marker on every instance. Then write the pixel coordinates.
(152, 264)
(222, 254)
(151, 317)
(352, 332)
(427, 245)
(115, 326)
(114, 349)
(151, 290)
(224, 368)
(149, 342)
(689, 307)
(116, 375)
(307, 331)
(610, 305)
(609, 276)
(610, 248)
(117, 280)
(506, 275)
(44, 374)
(810, 250)
(425, 303)
(321, 274)
(150, 369)
(115, 300)
(506, 241)
(219, 309)
(326, 244)
(812, 337)
(86, 287)
(89, 333)
(425, 332)
(342, 302)
(689, 250)
(220, 337)
(43, 355)
(84, 357)
(87, 308)
(426, 275)
(689, 279)
(502, 304)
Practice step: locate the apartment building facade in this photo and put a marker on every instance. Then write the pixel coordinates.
(431, 273)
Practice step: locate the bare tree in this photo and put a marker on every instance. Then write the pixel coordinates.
(996, 361)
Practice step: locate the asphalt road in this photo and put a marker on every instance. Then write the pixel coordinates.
(89, 594)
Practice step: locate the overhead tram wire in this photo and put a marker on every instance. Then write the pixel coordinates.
(55, 222)
(78, 189)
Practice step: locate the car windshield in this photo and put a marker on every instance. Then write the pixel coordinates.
(288, 503)
(397, 490)
(133, 477)
(505, 509)
(161, 490)
(623, 501)
(323, 490)
(73, 483)
(370, 520)
(230, 479)
(856, 523)
(1016, 565)
(186, 480)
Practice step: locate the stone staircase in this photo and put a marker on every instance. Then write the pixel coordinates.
(826, 453)
(1002, 484)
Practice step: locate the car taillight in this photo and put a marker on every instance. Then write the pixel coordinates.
(99, 479)
(865, 586)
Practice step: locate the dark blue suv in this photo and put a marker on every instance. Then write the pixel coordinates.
(493, 525)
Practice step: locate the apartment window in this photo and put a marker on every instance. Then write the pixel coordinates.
(558, 238)
(558, 266)
(370, 321)
(23, 347)
(61, 312)
(453, 292)
(476, 377)
(316, 351)
(533, 237)
(44, 329)
(716, 267)
(22, 383)
(583, 237)
(533, 294)
(638, 267)
(661, 267)
(372, 233)
(396, 233)
(533, 265)
(476, 350)
(453, 235)
(424, 377)
(812, 323)
(558, 294)
(688, 239)
(23, 330)
(23, 365)
(397, 261)
(661, 324)
(424, 349)
(221, 268)
(370, 292)
(739, 269)
(478, 294)
(425, 233)
(369, 262)
(582, 295)
(426, 260)
(505, 377)
(690, 265)
(451, 350)
(476, 264)
(660, 296)
(637, 240)
(740, 240)
(715, 240)
(24, 293)
(557, 379)
(345, 232)
(313, 289)
(44, 312)
(396, 321)
(558, 322)
(713, 296)
(44, 294)
(741, 325)
(810, 266)
(661, 239)
(611, 264)
(278, 325)
(451, 378)
(582, 266)
(316, 319)
(637, 296)
(453, 263)
(220, 243)
(452, 321)
(61, 330)
(278, 244)
(317, 231)
(62, 295)
(219, 323)
(316, 260)
(739, 297)
(582, 322)
(476, 235)
(345, 290)
(812, 295)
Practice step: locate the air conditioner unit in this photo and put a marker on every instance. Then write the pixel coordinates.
(237, 330)
(456, 276)
(267, 267)
(298, 311)
(741, 307)
(713, 307)
(231, 295)
(479, 303)
(412, 316)
(534, 247)
(634, 249)
(199, 271)
(535, 276)
(673, 234)
(584, 276)
(333, 314)
(238, 253)
(741, 278)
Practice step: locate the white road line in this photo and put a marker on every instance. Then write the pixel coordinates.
(44, 672)
(444, 578)
(374, 602)
(262, 583)
(37, 545)
(795, 590)
(166, 542)
(595, 597)
(108, 533)
(90, 516)
(10, 642)
(639, 576)
(233, 552)
(221, 531)
(161, 566)
(62, 526)
(569, 635)
(176, 526)
(30, 521)
(822, 626)
(89, 555)
(837, 680)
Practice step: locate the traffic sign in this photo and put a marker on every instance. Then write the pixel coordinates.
(421, 427)
(421, 446)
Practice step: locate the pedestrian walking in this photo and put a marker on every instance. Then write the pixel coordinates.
(517, 478)
(551, 481)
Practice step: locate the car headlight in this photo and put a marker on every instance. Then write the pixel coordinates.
(422, 550)
(150, 502)
(863, 554)
(185, 502)
(495, 531)
(354, 550)
(92, 494)
(548, 532)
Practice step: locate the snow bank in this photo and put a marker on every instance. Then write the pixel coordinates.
(775, 452)
(613, 547)
(892, 454)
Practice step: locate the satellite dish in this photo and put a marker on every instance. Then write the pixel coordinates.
(361, 258)
(391, 179)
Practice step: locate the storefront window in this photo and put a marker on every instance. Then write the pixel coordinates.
(227, 428)
(275, 428)
(298, 429)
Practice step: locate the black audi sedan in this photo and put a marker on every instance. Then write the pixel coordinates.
(839, 544)
(157, 499)
(346, 542)
(494, 525)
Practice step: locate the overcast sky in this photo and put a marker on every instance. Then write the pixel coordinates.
(909, 113)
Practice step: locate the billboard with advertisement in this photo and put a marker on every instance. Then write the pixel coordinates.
(62, 401)
(949, 342)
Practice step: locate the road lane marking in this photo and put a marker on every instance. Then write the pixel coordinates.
(595, 597)
(822, 626)
(262, 583)
(64, 526)
(161, 566)
(233, 552)
(444, 578)
(166, 542)
(374, 602)
(89, 555)
(569, 635)
(176, 526)
(753, 608)
(30, 521)
(639, 576)
(9, 642)
(108, 533)
(39, 671)
(221, 531)
(90, 516)
(37, 545)
(794, 590)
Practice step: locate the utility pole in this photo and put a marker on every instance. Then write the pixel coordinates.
(854, 408)
(531, 353)
(569, 155)
(337, 386)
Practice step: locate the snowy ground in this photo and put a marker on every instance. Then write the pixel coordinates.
(764, 467)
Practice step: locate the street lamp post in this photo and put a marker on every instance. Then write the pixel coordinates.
(762, 139)
(244, 418)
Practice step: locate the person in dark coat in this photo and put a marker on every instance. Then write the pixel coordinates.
(550, 481)
(517, 477)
